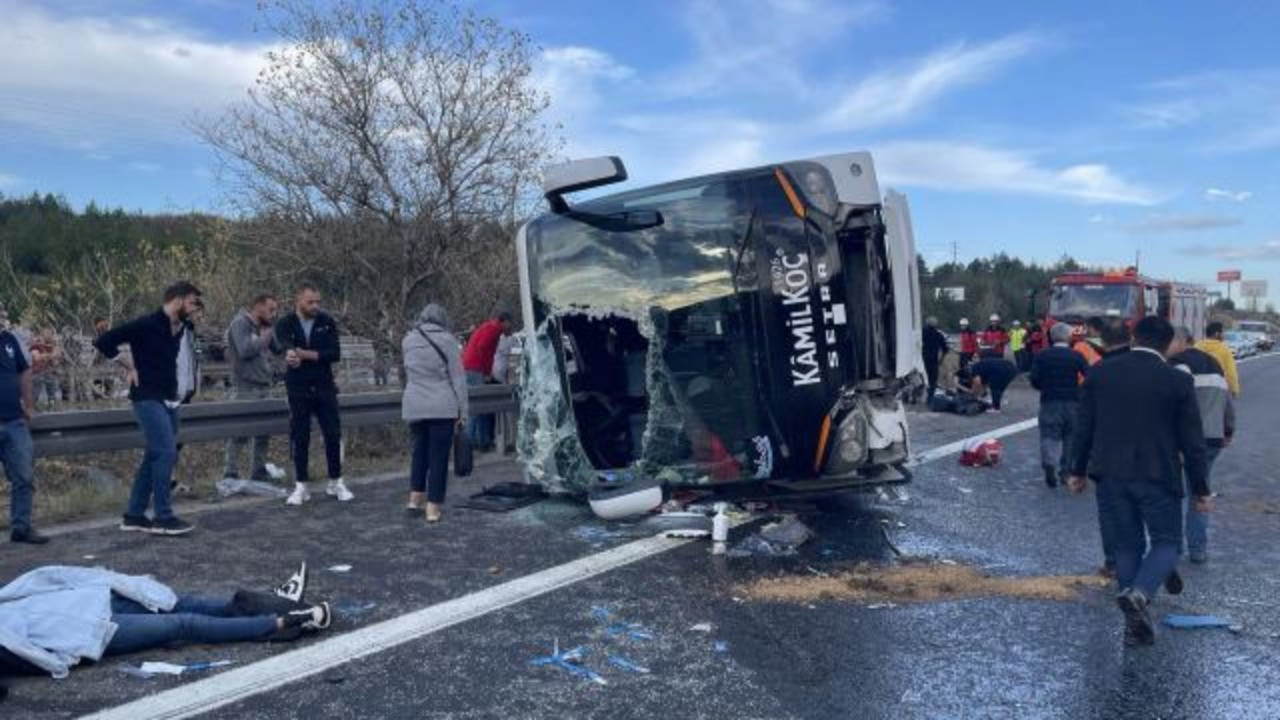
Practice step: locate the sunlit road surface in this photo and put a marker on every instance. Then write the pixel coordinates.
(447, 621)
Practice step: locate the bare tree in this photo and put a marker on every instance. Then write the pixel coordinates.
(379, 148)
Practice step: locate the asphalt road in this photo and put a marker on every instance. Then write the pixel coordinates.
(979, 657)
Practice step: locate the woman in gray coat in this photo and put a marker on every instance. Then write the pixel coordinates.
(435, 405)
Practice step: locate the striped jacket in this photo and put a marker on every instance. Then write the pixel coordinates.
(1217, 408)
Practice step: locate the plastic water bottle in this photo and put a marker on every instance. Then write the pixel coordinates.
(719, 531)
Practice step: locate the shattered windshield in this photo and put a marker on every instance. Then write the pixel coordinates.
(1080, 302)
(646, 324)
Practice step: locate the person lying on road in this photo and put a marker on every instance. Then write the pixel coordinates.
(54, 617)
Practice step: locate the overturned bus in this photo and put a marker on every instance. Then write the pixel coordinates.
(752, 332)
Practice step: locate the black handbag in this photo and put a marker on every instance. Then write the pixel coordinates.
(463, 460)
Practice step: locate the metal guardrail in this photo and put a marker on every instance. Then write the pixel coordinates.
(74, 433)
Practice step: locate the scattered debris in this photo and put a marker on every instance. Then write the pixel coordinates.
(721, 647)
(132, 671)
(818, 572)
(702, 628)
(275, 472)
(965, 490)
(90, 557)
(625, 664)
(235, 486)
(495, 570)
(1197, 622)
(778, 539)
(505, 497)
(340, 568)
(594, 534)
(352, 609)
(569, 661)
(881, 606)
(787, 532)
(148, 670)
(915, 582)
(884, 532)
(635, 631)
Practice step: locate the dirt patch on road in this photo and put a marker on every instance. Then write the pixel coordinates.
(916, 582)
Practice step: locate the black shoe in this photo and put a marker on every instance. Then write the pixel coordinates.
(296, 586)
(170, 526)
(135, 523)
(1138, 629)
(316, 617)
(1173, 583)
(1050, 476)
(28, 536)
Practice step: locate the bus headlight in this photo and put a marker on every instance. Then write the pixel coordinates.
(851, 445)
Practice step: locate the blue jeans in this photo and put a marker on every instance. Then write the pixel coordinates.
(1198, 522)
(159, 425)
(1057, 425)
(18, 456)
(1137, 511)
(480, 429)
(192, 620)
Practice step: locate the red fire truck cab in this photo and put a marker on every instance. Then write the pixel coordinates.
(1077, 296)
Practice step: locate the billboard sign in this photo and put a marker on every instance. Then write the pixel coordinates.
(954, 294)
(1228, 275)
(1253, 289)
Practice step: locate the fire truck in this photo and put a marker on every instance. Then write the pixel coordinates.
(1077, 296)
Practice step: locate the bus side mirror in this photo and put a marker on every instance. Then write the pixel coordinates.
(577, 175)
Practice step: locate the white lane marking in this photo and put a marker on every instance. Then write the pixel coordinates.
(955, 447)
(235, 685)
(279, 670)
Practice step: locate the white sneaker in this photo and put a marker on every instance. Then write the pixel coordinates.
(338, 488)
(300, 495)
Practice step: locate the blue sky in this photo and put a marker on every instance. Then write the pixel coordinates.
(1098, 129)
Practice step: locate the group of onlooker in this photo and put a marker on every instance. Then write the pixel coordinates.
(161, 370)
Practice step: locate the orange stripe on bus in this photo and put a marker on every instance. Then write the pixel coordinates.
(792, 197)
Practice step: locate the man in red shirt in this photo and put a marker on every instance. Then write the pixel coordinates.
(477, 360)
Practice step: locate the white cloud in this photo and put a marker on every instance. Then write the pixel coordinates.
(124, 84)
(896, 95)
(1219, 194)
(8, 181)
(1097, 219)
(1235, 111)
(1182, 223)
(144, 167)
(963, 167)
(572, 76)
(758, 44)
(1265, 250)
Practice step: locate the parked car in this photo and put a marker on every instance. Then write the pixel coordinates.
(1240, 343)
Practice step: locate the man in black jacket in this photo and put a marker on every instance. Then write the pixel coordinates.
(934, 345)
(1139, 428)
(1056, 372)
(308, 337)
(152, 373)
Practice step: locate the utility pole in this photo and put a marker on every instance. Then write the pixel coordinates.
(955, 253)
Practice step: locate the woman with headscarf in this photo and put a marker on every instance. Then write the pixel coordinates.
(434, 405)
